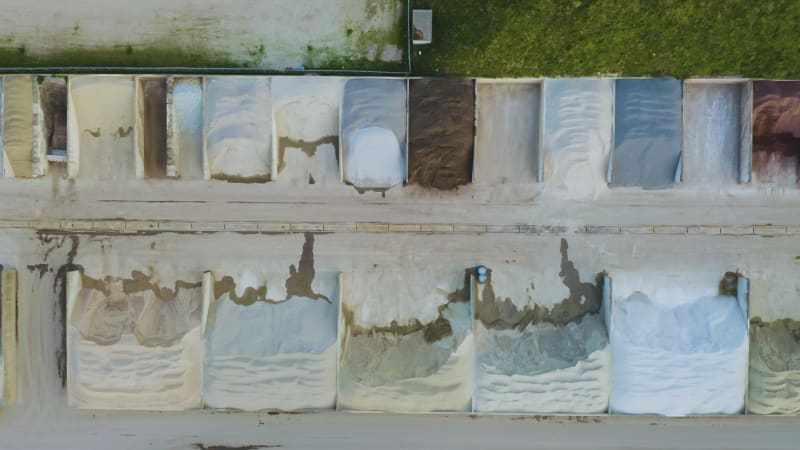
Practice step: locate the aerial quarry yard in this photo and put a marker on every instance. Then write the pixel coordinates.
(429, 224)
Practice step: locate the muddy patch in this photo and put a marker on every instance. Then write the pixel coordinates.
(539, 359)
(156, 315)
(647, 132)
(265, 354)
(584, 298)
(776, 132)
(774, 377)
(401, 342)
(441, 132)
(199, 446)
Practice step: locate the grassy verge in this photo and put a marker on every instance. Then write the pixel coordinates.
(682, 38)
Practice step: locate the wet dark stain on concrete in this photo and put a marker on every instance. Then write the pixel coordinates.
(297, 285)
(60, 291)
(432, 331)
(41, 268)
(162, 321)
(124, 132)
(584, 298)
(138, 282)
(53, 99)
(441, 132)
(363, 191)
(729, 284)
(200, 446)
(240, 179)
(776, 129)
(777, 343)
(154, 118)
(95, 133)
(309, 148)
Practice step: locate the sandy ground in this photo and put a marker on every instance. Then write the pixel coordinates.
(647, 132)
(712, 122)
(253, 32)
(42, 420)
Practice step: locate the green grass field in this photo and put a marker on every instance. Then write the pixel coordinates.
(681, 38)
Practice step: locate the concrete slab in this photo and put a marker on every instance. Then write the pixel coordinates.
(712, 126)
(647, 132)
(577, 135)
(237, 124)
(507, 134)
(102, 110)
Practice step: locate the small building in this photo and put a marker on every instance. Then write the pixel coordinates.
(422, 26)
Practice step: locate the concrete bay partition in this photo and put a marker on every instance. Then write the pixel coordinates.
(270, 334)
(647, 133)
(541, 342)
(305, 135)
(507, 131)
(678, 349)
(576, 135)
(716, 134)
(100, 133)
(441, 132)
(237, 129)
(132, 344)
(405, 341)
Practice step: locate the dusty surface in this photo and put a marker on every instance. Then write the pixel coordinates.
(253, 33)
(712, 126)
(776, 132)
(647, 132)
(42, 419)
(441, 132)
(507, 133)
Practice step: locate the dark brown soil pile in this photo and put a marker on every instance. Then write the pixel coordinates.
(53, 99)
(441, 132)
(154, 93)
(776, 128)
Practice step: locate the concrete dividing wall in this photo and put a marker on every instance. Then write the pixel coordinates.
(191, 33)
